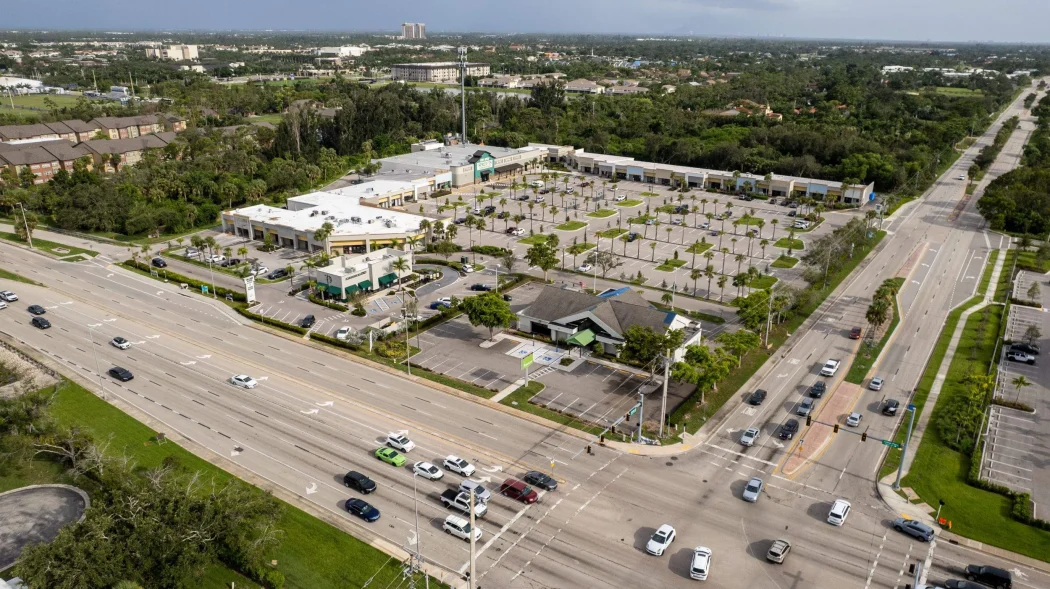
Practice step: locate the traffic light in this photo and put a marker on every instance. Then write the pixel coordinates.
(627, 417)
(864, 436)
(809, 420)
(836, 428)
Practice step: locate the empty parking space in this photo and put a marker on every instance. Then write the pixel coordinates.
(1010, 444)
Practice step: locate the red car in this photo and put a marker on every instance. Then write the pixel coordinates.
(516, 489)
(854, 333)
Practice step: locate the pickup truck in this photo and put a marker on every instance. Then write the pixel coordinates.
(830, 368)
(454, 499)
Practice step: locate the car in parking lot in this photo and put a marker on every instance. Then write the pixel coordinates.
(632, 236)
(1019, 356)
(700, 568)
(890, 407)
(362, 509)
(913, 528)
(805, 407)
(260, 270)
(585, 268)
(400, 441)
(541, 480)
(192, 252)
(853, 419)
(441, 303)
(789, 429)
(503, 215)
(159, 263)
(308, 322)
(757, 397)
(480, 287)
(427, 471)
(749, 436)
(518, 491)
(36, 310)
(344, 333)
(359, 482)
(660, 540)
(876, 383)
(40, 323)
(120, 343)
(216, 258)
(121, 374)
(230, 263)
(830, 368)
(460, 528)
(1030, 349)
(621, 197)
(779, 551)
(818, 389)
(278, 273)
(390, 456)
(459, 466)
(244, 381)
(8, 296)
(839, 512)
(752, 490)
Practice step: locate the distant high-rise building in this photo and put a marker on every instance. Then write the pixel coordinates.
(416, 30)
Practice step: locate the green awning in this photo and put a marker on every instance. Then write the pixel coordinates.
(352, 289)
(330, 289)
(387, 279)
(582, 338)
(365, 285)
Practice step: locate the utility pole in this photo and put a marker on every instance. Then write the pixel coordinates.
(663, 402)
(641, 415)
(473, 552)
(463, 93)
(904, 450)
(29, 237)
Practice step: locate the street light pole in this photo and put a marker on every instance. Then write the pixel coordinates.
(904, 449)
(597, 250)
(29, 237)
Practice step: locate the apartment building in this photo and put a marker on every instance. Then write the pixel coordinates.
(126, 152)
(174, 52)
(416, 30)
(73, 131)
(130, 127)
(43, 158)
(443, 71)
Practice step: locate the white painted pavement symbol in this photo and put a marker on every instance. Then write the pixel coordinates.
(204, 357)
(190, 363)
(777, 444)
(496, 468)
(311, 489)
(236, 451)
(152, 336)
(310, 411)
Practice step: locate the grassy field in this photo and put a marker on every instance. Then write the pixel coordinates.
(628, 203)
(986, 277)
(1027, 260)
(602, 213)
(274, 118)
(312, 553)
(786, 243)
(571, 226)
(640, 220)
(748, 221)
(1002, 288)
(958, 92)
(870, 350)
(578, 248)
(671, 265)
(519, 399)
(611, 233)
(763, 282)
(50, 246)
(784, 262)
(37, 100)
(533, 239)
(26, 116)
(698, 248)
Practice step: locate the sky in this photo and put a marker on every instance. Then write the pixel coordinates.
(914, 20)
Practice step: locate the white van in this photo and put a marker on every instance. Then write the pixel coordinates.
(460, 528)
(801, 224)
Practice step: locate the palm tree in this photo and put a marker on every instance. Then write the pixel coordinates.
(725, 254)
(774, 222)
(532, 207)
(714, 203)
(502, 204)
(242, 252)
(739, 281)
(763, 245)
(703, 207)
(733, 241)
(652, 246)
(695, 274)
(400, 265)
(722, 287)
(669, 234)
(720, 234)
(739, 260)
(1019, 383)
(709, 273)
(323, 233)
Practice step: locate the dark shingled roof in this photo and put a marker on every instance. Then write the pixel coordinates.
(618, 313)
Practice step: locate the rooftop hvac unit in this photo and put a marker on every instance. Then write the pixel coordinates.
(344, 221)
(324, 212)
(314, 213)
(355, 219)
(389, 223)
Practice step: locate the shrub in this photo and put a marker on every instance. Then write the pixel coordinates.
(325, 303)
(1013, 405)
(490, 250)
(192, 282)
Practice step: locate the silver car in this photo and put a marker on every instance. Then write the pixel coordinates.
(876, 383)
(752, 490)
(853, 419)
(749, 436)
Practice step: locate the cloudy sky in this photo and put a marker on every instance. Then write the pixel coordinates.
(921, 20)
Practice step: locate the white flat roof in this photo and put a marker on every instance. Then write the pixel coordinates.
(337, 209)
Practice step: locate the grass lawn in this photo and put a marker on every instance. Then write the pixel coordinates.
(784, 262)
(611, 233)
(870, 350)
(650, 194)
(312, 553)
(571, 226)
(602, 213)
(640, 220)
(670, 265)
(628, 203)
(989, 267)
(519, 399)
(748, 221)
(579, 248)
(50, 246)
(24, 115)
(1026, 260)
(8, 275)
(37, 100)
(274, 118)
(763, 282)
(959, 92)
(533, 239)
(787, 243)
(1002, 289)
(698, 248)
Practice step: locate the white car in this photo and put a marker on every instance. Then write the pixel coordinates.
(244, 381)
(460, 528)
(8, 296)
(660, 541)
(458, 465)
(585, 268)
(839, 512)
(701, 566)
(621, 197)
(960, 177)
(468, 268)
(749, 436)
(120, 343)
(216, 258)
(427, 471)
(399, 441)
(343, 334)
(3, 305)
(192, 252)
(519, 232)
(830, 368)
(853, 419)
(260, 270)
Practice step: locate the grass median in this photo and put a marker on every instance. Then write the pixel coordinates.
(8, 275)
(870, 350)
(60, 250)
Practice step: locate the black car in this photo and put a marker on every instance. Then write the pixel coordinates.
(480, 287)
(488, 210)
(1026, 348)
(362, 509)
(40, 323)
(538, 479)
(957, 584)
(159, 263)
(308, 322)
(503, 215)
(890, 407)
(460, 221)
(507, 297)
(757, 397)
(818, 389)
(121, 374)
(230, 263)
(631, 237)
(789, 429)
(359, 482)
(991, 576)
(278, 273)
(36, 310)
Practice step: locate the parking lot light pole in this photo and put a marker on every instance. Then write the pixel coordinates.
(597, 249)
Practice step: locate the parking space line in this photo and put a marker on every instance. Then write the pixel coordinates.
(1010, 465)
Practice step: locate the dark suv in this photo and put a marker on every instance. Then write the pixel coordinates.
(541, 480)
(360, 482)
(991, 576)
(308, 322)
(1026, 348)
(480, 287)
(757, 397)
(789, 429)
(818, 389)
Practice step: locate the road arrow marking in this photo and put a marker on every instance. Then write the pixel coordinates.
(778, 444)
(160, 292)
(482, 479)
(496, 468)
(325, 404)
(53, 307)
(236, 452)
(110, 320)
(139, 343)
(926, 265)
(109, 275)
(970, 277)
(915, 282)
(310, 412)
(412, 537)
(785, 375)
(152, 336)
(311, 489)
(262, 377)
(190, 363)
(731, 430)
(204, 357)
(66, 303)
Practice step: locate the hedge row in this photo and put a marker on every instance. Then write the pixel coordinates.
(1013, 405)
(490, 250)
(326, 303)
(193, 282)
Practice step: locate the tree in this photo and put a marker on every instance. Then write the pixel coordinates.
(722, 279)
(1033, 292)
(445, 248)
(20, 225)
(703, 367)
(1032, 333)
(400, 266)
(739, 343)
(1019, 383)
(323, 233)
(509, 260)
(488, 310)
(543, 255)
(643, 344)
(604, 261)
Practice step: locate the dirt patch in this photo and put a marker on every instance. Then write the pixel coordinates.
(20, 373)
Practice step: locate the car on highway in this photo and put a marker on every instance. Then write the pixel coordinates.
(518, 491)
(818, 389)
(362, 509)
(159, 263)
(890, 407)
(757, 397)
(541, 480)
(913, 528)
(459, 466)
(805, 407)
(460, 528)
(480, 287)
(1019, 356)
(853, 419)
(991, 576)
(752, 490)
(749, 436)
(480, 492)
(876, 383)
(121, 374)
(344, 333)
(839, 512)
(359, 482)
(660, 540)
(3, 305)
(390, 456)
(789, 429)
(243, 381)
(830, 368)
(427, 471)
(855, 333)
(40, 323)
(957, 584)
(120, 343)
(585, 268)
(779, 551)
(36, 310)
(308, 322)
(1031, 349)
(8, 296)
(400, 441)
(701, 565)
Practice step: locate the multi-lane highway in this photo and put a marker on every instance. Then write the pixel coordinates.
(316, 414)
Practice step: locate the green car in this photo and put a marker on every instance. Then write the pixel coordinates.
(390, 456)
